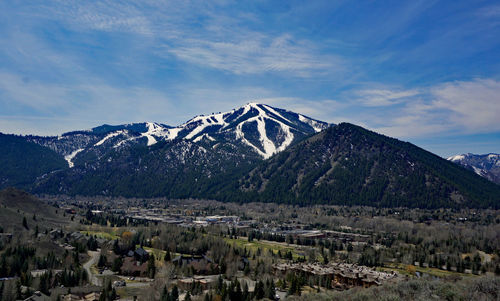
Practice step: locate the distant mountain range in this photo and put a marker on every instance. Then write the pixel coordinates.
(252, 153)
(487, 165)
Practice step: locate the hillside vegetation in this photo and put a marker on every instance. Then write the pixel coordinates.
(349, 165)
(22, 161)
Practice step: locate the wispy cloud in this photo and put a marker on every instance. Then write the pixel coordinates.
(221, 42)
(474, 105)
(258, 54)
(454, 107)
(384, 97)
(68, 107)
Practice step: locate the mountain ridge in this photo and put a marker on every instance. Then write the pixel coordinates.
(261, 128)
(486, 165)
(347, 164)
(224, 156)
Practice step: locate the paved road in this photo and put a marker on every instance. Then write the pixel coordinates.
(95, 280)
(94, 256)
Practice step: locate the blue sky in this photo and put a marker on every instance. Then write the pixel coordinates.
(427, 72)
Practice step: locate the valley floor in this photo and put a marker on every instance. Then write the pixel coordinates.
(160, 249)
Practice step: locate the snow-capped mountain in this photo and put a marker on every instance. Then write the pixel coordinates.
(185, 157)
(229, 157)
(257, 128)
(487, 165)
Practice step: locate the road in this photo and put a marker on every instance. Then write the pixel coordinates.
(94, 256)
(95, 280)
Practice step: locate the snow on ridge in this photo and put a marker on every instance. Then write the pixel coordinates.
(456, 158)
(70, 157)
(199, 138)
(493, 156)
(269, 147)
(206, 121)
(478, 171)
(172, 133)
(111, 135)
(276, 113)
(313, 123)
(194, 128)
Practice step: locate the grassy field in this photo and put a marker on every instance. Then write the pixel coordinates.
(111, 235)
(265, 246)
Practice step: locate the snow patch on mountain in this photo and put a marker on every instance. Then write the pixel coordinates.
(111, 135)
(206, 136)
(456, 158)
(487, 165)
(317, 126)
(275, 129)
(276, 113)
(70, 157)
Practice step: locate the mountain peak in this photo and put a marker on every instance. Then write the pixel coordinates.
(256, 129)
(264, 129)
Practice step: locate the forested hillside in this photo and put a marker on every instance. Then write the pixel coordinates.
(349, 165)
(21, 162)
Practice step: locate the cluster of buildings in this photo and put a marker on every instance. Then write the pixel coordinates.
(339, 275)
(159, 215)
(94, 296)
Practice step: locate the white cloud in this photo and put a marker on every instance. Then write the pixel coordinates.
(384, 97)
(219, 42)
(43, 108)
(112, 16)
(465, 107)
(473, 105)
(256, 54)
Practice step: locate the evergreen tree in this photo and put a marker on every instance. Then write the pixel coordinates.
(175, 293)
(167, 256)
(270, 290)
(245, 294)
(102, 260)
(25, 223)
(164, 294)
(117, 264)
(259, 290)
(151, 267)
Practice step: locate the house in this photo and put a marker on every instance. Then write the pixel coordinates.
(71, 297)
(93, 296)
(132, 267)
(76, 236)
(141, 254)
(201, 264)
(204, 282)
(38, 296)
(339, 275)
(56, 234)
(187, 259)
(243, 263)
